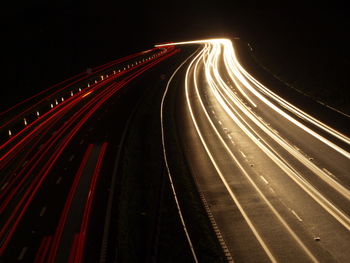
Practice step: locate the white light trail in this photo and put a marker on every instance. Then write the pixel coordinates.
(244, 172)
(241, 78)
(240, 103)
(237, 72)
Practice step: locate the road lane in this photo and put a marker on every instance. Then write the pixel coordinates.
(261, 167)
(31, 156)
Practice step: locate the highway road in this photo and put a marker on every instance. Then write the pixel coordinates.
(56, 158)
(276, 179)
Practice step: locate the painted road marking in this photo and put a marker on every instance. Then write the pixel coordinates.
(42, 212)
(296, 148)
(5, 184)
(263, 178)
(23, 252)
(59, 180)
(296, 215)
(329, 173)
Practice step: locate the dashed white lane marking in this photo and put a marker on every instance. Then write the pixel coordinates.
(296, 148)
(243, 154)
(59, 180)
(5, 184)
(71, 158)
(229, 136)
(23, 252)
(263, 178)
(220, 122)
(327, 172)
(42, 212)
(296, 215)
(213, 112)
(81, 142)
(275, 131)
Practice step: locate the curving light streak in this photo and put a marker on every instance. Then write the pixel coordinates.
(18, 190)
(210, 67)
(235, 70)
(232, 195)
(283, 164)
(244, 172)
(303, 115)
(218, 56)
(184, 226)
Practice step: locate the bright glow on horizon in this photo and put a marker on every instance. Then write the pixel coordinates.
(239, 75)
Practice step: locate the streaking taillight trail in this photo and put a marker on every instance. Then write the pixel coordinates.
(29, 155)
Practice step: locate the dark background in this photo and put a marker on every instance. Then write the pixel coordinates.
(49, 41)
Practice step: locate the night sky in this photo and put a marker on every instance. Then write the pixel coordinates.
(47, 42)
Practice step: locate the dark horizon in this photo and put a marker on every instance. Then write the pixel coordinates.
(203, 152)
(50, 42)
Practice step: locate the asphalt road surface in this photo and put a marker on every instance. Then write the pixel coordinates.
(275, 178)
(56, 150)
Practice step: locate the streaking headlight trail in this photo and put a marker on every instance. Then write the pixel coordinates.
(253, 139)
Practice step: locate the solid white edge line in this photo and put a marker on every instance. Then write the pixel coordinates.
(166, 162)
